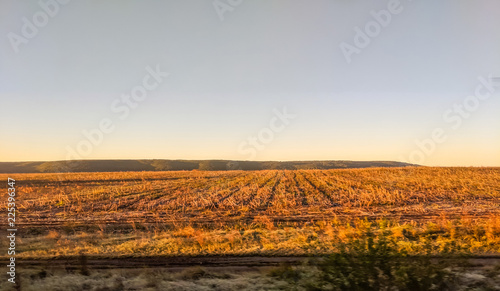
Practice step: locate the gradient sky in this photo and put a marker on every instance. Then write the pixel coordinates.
(227, 76)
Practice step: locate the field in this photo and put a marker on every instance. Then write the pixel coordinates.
(247, 218)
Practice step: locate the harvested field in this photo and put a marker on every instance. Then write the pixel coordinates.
(236, 196)
(271, 213)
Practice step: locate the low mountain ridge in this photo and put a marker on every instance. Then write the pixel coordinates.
(183, 165)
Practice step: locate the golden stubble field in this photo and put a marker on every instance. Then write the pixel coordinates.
(268, 213)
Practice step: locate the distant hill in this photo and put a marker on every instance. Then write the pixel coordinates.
(181, 165)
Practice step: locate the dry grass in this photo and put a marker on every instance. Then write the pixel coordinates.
(465, 236)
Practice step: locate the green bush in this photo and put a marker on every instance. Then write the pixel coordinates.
(371, 263)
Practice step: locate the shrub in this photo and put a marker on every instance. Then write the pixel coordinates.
(372, 263)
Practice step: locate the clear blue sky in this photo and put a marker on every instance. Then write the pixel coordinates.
(227, 75)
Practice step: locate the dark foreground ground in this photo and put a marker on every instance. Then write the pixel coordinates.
(223, 273)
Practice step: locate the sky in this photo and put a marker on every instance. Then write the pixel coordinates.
(410, 81)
